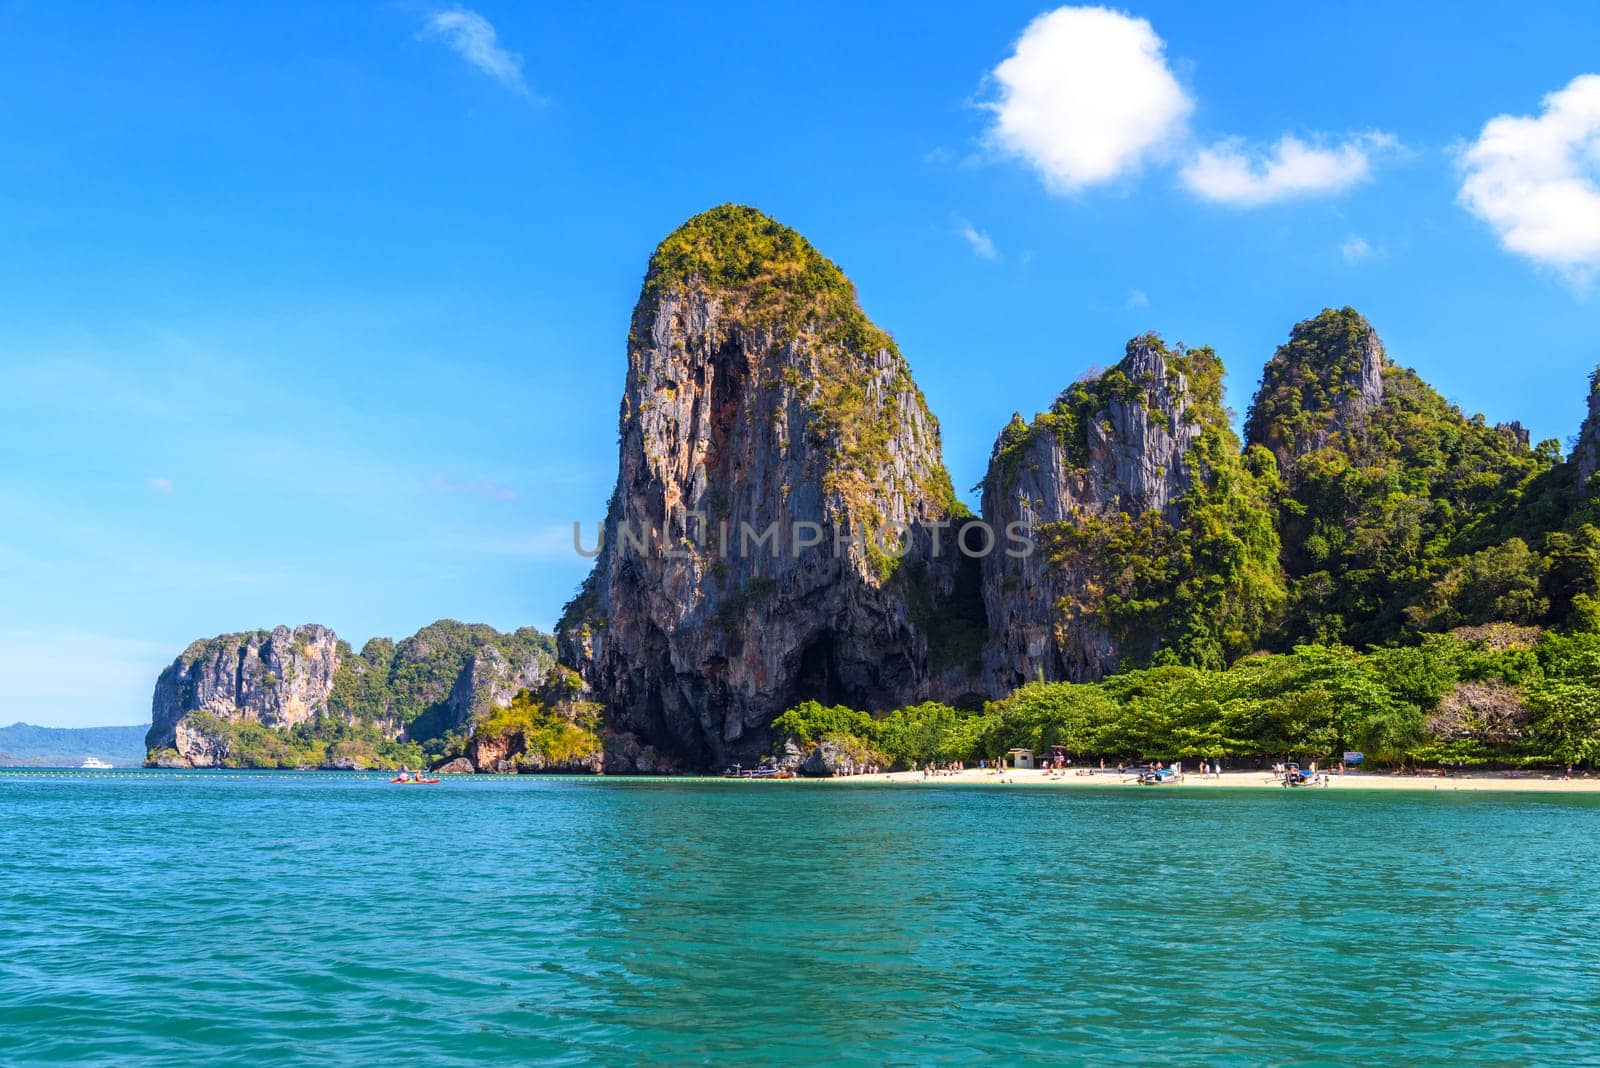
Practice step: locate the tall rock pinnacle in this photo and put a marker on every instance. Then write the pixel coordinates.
(1154, 536)
(769, 434)
(1318, 388)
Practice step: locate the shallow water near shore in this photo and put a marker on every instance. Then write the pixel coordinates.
(167, 918)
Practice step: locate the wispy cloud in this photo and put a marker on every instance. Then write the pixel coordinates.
(1138, 299)
(1233, 172)
(160, 485)
(1536, 180)
(1356, 249)
(482, 487)
(982, 244)
(473, 38)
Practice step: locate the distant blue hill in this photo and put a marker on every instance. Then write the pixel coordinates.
(25, 744)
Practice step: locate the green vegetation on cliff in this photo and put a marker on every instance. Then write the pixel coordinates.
(409, 683)
(534, 735)
(1314, 383)
(1200, 591)
(1199, 585)
(781, 276)
(1385, 505)
(778, 283)
(324, 740)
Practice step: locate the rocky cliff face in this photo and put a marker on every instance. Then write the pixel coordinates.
(435, 681)
(448, 673)
(1117, 444)
(1586, 453)
(1319, 388)
(760, 401)
(1109, 482)
(489, 681)
(277, 678)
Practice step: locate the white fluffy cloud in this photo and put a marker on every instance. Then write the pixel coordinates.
(473, 38)
(1086, 96)
(1536, 180)
(1231, 172)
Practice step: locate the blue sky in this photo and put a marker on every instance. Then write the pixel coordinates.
(317, 313)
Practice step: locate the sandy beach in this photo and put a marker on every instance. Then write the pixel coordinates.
(1527, 782)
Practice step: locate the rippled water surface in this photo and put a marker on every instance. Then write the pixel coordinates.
(171, 918)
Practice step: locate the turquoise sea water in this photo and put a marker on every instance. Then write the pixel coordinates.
(186, 918)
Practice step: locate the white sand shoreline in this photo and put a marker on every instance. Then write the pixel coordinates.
(1258, 780)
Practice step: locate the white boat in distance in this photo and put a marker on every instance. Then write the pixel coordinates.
(95, 763)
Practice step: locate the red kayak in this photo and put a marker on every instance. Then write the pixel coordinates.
(416, 782)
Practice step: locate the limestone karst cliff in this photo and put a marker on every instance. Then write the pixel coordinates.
(277, 678)
(774, 452)
(1318, 389)
(1586, 451)
(432, 683)
(760, 398)
(1389, 487)
(1152, 534)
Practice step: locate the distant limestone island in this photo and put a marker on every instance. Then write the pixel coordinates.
(454, 694)
(1370, 569)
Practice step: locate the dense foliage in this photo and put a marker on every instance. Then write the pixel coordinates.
(1504, 695)
(537, 735)
(408, 684)
(1313, 384)
(1397, 517)
(1365, 510)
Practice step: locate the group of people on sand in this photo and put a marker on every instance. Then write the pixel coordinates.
(850, 767)
(932, 770)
